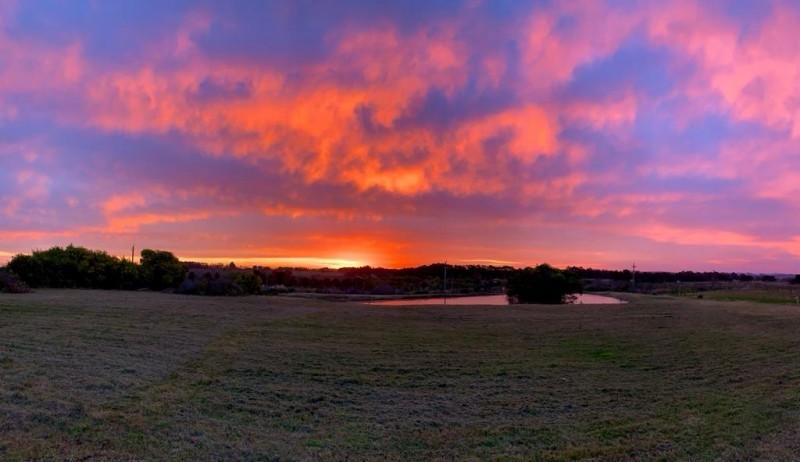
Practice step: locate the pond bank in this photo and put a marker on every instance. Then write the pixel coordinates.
(583, 299)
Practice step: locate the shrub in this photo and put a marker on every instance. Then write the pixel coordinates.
(249, 282)
(12, 284)
(74, 267)
(161, 269)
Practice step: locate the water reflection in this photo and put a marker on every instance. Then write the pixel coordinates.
(585, 299)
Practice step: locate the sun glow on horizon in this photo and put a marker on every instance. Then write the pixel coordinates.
(276, 262)
(5, 257)
(490, 262)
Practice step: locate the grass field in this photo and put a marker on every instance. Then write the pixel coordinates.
(781, 296)
(91, 375)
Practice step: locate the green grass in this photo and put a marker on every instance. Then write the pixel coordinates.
(775, 296)
(88, 375)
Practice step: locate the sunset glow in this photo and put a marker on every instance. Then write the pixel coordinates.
(590, 133)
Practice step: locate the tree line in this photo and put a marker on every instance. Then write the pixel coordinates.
(661, 277)
(80, 268)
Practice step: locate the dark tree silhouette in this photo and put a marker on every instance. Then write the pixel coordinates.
(543, 284)
(74, 267)
(161, 269)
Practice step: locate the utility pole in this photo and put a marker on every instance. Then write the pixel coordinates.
(132, 250)
(633, 277)
(444, 284)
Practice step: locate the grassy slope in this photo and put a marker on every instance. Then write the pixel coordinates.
(105, 375)
(779, 295)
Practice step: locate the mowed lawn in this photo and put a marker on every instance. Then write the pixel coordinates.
(94, 375)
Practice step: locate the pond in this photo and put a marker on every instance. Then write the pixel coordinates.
(585, 299)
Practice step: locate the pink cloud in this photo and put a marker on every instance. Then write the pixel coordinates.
(513, 145)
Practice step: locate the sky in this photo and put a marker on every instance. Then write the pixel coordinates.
(400, 133)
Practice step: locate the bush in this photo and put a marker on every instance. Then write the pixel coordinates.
(210, 284)
(12, 284)
(249, 282)
(161, 269)
(74, 267)
(28, 268)
(543, 284)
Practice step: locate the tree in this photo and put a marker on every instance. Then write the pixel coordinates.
(70, 267)
(129, 274)
(27, 268)
(248, 281)
(161, 269)
(543, 284)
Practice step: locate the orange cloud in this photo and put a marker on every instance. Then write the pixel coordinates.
(128, 223)
(123, 201)
(314, 129)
